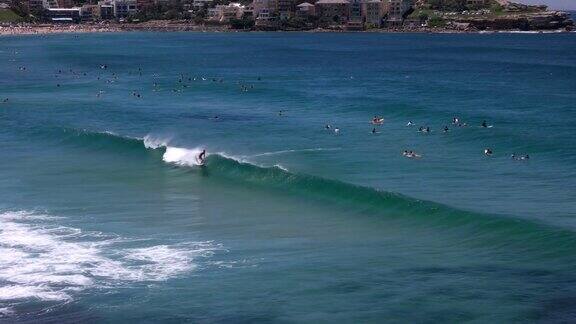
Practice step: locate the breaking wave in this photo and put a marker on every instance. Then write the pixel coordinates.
(42, 260)
(491, 229)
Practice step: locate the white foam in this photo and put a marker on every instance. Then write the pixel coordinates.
(151, 142)
(182, 156)
(44, 261)
(15, 292)
(235, 158)
(318, 149)
(25, 215)
(6, 311)
(281, 167)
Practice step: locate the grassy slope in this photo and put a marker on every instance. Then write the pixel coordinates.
(7, 15)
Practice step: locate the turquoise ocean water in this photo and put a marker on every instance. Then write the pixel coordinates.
(105, 215)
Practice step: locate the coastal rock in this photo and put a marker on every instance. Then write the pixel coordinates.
(547, 20)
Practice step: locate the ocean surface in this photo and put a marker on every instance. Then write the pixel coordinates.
(106, 216)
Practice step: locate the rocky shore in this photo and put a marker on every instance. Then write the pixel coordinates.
(546, 20)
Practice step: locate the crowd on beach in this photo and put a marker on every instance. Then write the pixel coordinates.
(29, 29)
(108, 27)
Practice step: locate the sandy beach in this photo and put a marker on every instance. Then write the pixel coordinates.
(167, 26)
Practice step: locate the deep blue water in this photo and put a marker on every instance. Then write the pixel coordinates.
(105, 215)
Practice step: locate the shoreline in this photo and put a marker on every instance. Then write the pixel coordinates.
(47, 29)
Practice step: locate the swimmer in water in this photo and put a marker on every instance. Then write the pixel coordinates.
(410, 123)
(521, 158)
(328, 127)
(446, 129)
(378, 120)
(411, 154)
(336, 130)
(488, 152)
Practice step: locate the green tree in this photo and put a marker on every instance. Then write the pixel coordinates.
(436, 21)
(422, 16)
(245, 23)
(171, 14)
(21, 9)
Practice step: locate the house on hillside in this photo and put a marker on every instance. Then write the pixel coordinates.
(305, 9)
(333, 11)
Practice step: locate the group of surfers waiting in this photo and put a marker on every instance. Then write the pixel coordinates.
(378, 121)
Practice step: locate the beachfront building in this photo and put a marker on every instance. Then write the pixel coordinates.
(305, 10)
(225, 13)
(355, 10)
(248, 11)
(372, 11)
(90, 12)
(124, 8)
(264, 11)
(64, 15)
(106, 11)
(35, 5)
(385, 8)
(50, 4)
(355, 19)
(396, 11)
(285, 8)
(264, 18)
(333, 11)
(263, 6)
